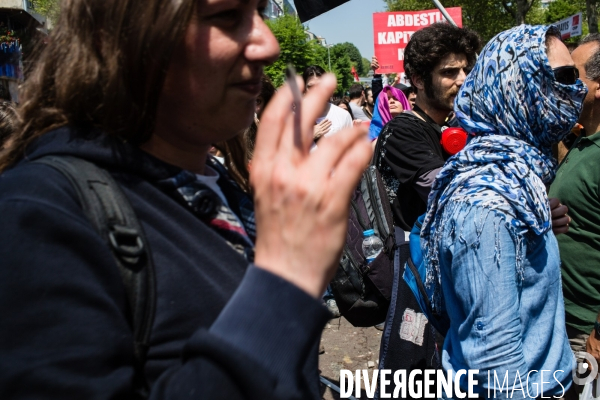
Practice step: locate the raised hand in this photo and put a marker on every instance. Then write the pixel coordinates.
(374, 64)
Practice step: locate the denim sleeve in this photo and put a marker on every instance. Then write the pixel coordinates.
(482, 294)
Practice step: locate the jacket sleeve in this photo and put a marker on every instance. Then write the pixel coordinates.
(66, 333)
(376, 85)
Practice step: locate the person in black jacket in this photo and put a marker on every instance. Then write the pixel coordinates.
(437, 60)
(142, 89)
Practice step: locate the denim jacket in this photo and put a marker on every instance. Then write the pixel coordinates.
(502, 290)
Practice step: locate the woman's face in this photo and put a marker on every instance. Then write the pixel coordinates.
(395, 106)
(311, 82)
(214, 76)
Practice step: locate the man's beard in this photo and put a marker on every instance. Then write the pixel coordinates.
(443, 100)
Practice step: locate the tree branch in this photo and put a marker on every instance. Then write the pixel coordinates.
(508, 9)
(527, 7)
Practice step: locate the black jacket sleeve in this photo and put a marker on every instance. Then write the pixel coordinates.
(376, 85)
(65, 329)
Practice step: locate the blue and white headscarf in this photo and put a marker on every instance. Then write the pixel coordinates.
(514, 111)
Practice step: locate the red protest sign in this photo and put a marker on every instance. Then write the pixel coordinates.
(393, 30)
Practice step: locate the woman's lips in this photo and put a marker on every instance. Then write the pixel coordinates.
(251, 87)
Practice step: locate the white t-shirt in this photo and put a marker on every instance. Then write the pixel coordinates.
(339, 118)
(358, 112)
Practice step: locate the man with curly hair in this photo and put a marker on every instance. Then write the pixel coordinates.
(437, 60)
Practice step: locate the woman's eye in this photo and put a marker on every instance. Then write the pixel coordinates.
(262, 11)
(229, 17)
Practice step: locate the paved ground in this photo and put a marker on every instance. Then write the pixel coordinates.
(346, 347)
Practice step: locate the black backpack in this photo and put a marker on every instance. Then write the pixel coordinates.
(363, 291)
(111, 214)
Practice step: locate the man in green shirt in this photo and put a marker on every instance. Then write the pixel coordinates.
(577, 185)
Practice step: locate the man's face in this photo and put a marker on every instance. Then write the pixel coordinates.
(580, 56)
(370, 98)
(446, 79)
(412, 97)
(312, 81)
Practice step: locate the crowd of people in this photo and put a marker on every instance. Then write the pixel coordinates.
(240, 196)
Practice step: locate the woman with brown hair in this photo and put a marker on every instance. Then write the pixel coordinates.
(142, 89)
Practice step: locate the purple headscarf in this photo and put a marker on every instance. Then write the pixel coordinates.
(382, 114)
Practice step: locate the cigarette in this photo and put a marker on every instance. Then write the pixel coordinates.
(290, 74)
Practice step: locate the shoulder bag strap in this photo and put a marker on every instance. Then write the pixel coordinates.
(112, 215)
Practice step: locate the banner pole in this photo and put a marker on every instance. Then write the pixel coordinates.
(444, 12)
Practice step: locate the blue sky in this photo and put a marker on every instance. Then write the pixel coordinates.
(351, 22)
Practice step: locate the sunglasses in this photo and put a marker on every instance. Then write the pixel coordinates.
(566, 75)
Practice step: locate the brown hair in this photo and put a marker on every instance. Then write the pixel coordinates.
(8, 121)
(235, 154)
(103, 67)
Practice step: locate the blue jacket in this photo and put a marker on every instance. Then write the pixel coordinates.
(223, 329)
(502, 291)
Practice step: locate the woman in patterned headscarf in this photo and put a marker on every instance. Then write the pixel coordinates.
(487, 237)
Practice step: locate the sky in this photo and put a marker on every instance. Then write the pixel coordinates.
(351, 22)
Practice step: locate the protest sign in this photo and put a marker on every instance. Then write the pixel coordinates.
(570, 26)
(393, 30)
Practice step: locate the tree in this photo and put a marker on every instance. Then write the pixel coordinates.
(341, 66)
(592, 15)
(366, 66)
(518, 9)
(295, 47)
(48, 8)
(298, 50)
(355, 57)
(560, 9)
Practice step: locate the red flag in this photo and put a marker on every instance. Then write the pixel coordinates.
(353, 71)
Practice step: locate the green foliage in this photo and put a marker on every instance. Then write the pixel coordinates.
(366, 66)
(295, 48)
(561, 9)
(341, 65)
(7, 35)
(355, 57)
(48, 8)
(536, 15)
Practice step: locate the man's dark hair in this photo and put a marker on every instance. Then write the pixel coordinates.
(592, 66)
(428, 46)
(355, 91)
(407, 90)
(313, 70)
(571, 46)
(345, 101)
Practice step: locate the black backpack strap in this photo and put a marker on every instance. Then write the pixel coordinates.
(112, 215)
